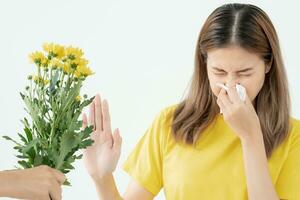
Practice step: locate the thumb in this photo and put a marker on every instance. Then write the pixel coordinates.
(117, 139)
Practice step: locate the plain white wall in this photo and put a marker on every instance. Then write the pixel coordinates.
(142, 53)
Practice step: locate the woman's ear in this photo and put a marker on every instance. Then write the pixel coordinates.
(268, 67)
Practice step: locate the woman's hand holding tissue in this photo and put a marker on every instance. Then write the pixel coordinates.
(240, 115)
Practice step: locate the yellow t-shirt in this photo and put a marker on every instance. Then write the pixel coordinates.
(214, 169)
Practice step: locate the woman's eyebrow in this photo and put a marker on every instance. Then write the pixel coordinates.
(242, 70)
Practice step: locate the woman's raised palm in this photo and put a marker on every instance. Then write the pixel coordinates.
(102, 157)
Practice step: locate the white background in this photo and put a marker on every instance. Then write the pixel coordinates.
(142, 53)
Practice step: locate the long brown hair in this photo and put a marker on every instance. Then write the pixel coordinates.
(249, 27)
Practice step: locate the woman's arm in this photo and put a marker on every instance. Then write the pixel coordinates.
(259, 182)
(242, 118)
(106, 189)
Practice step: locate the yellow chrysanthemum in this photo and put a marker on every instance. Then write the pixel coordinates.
(55, 50)
(81, 62)
(83, 71)
(38, 58)
(78, 62)
(54, 63)
(67, 68)
(40, 80)
(73, 52)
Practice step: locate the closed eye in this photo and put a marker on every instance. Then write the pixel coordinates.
(245, 74)
(220, 73)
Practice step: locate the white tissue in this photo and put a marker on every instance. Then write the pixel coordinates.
(241, 91)
(239, 88)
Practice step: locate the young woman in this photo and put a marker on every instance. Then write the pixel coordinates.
(250, 151)
(43, 183)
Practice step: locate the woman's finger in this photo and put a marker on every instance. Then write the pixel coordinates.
(84, 121)
(117, 139)
(221, 105)
(98, 113)
(233, 95)
(223, 91)
(92, 115)
(225, 99)
(219, 101)
(106, 117)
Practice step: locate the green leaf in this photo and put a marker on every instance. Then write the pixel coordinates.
(67, 183)
(33, 111)
(74, 125)
(22, 156)
(86, 132)
(28, 134)
(53, 151)
(22, 138)
(37, 160)
(19, 148)
(73, 92)
(14, 141)
(86, 143)
(67, 165)
(30, 145)
(68, 143)
(24, 164)
(22, 95)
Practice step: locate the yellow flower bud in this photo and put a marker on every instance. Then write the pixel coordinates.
(78, 98)
(40, 80)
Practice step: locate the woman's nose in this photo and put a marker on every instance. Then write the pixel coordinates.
(231, 83)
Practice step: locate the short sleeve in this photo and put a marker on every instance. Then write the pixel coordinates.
(144, 164)
(288, 184)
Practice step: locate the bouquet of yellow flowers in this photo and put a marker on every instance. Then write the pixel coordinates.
(54, 133)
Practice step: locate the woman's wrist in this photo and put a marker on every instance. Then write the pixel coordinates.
(252, 137)
(106, 187)
(102, 179)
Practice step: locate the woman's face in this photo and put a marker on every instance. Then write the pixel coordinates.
(233, 65)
